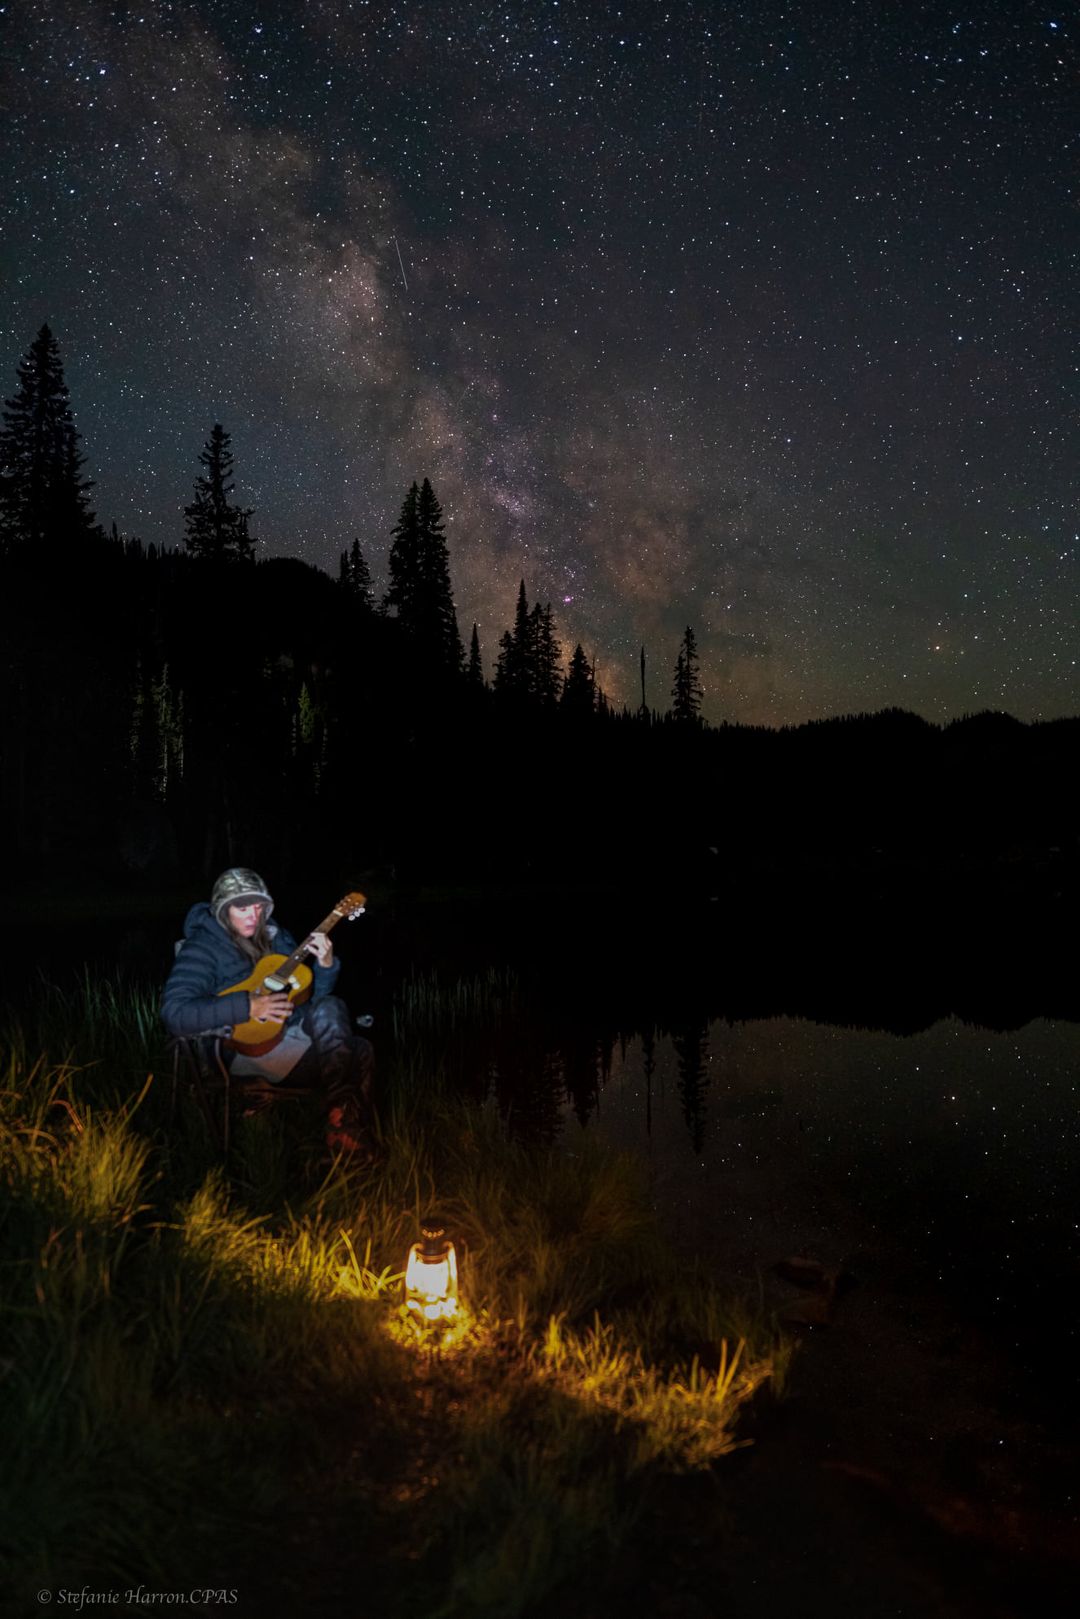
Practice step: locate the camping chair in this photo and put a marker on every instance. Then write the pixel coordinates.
(200, 1059)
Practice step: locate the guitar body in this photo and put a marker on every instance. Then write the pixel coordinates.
(255, 1037)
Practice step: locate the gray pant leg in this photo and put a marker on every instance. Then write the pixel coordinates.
(340, 1062)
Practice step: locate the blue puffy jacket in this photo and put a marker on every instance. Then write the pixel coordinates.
(209, 961)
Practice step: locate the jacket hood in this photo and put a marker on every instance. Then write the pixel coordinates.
(199, 920)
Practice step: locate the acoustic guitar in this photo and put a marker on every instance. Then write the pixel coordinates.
(290, 974)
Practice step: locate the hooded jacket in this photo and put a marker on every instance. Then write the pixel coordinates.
(208, 960)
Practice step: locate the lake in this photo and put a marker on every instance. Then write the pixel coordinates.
(774, 1137)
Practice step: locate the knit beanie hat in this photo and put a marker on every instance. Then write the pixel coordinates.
(239, 886)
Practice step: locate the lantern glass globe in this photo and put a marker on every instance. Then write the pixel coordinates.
(431, 1274)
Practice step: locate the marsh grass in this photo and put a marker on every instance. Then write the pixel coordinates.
(208, 1378)
(426, 1003)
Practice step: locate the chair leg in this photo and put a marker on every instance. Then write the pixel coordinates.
(226, 1079)
(175, 1084)
(219, 1135)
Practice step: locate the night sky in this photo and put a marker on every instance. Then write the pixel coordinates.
(759, 317)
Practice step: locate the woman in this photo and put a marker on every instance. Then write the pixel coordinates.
(221, 944)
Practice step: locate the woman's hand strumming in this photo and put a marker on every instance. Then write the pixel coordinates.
(270, 1008)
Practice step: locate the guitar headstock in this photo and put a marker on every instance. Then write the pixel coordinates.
(352, 906)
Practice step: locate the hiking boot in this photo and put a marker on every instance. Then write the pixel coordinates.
(345, 1133)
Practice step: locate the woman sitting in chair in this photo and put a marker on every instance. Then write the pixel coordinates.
(222, 942)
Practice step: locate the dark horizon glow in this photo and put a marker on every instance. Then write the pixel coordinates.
(758, 318)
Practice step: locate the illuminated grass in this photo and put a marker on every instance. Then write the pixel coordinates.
(191, 1363)
(683, 1418)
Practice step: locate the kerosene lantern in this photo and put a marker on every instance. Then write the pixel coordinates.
(431, 1280)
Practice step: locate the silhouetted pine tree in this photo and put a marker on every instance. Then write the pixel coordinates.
(420, 588)
(544, 654)
(404, 560)
(215, 529)
(579, 688)
(515, 669)
(687, 692)
(474, 672)
(355, 577)
(438, 616)
(42, 492)
(503, 683)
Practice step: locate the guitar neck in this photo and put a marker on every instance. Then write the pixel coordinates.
(289, 966)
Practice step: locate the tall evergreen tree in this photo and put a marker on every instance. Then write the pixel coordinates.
(687, 691)
(404, 561)
(474, 671)
(544, 652)
(503, 682)
(420, 589)
(215, 529)
(514, 671)
(42, 490)
(579, 688)
(521, 636)
(439, 625)
(355, 577)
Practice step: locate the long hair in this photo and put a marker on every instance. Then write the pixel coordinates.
(260, 944)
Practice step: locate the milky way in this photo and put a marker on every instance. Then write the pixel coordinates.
(759, 318)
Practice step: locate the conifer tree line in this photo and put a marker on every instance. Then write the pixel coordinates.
(44, 500)
(137, 720)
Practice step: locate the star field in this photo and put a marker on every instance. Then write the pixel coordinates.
(754, 317)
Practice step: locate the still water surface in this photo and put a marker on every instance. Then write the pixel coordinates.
(963, 1138)
(956, 1146)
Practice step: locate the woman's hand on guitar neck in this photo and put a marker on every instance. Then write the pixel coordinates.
(320, 947)
(270, 1008)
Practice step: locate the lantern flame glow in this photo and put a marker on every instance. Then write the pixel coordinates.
(431, 1277)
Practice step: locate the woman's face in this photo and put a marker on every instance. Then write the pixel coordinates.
(245, 919)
